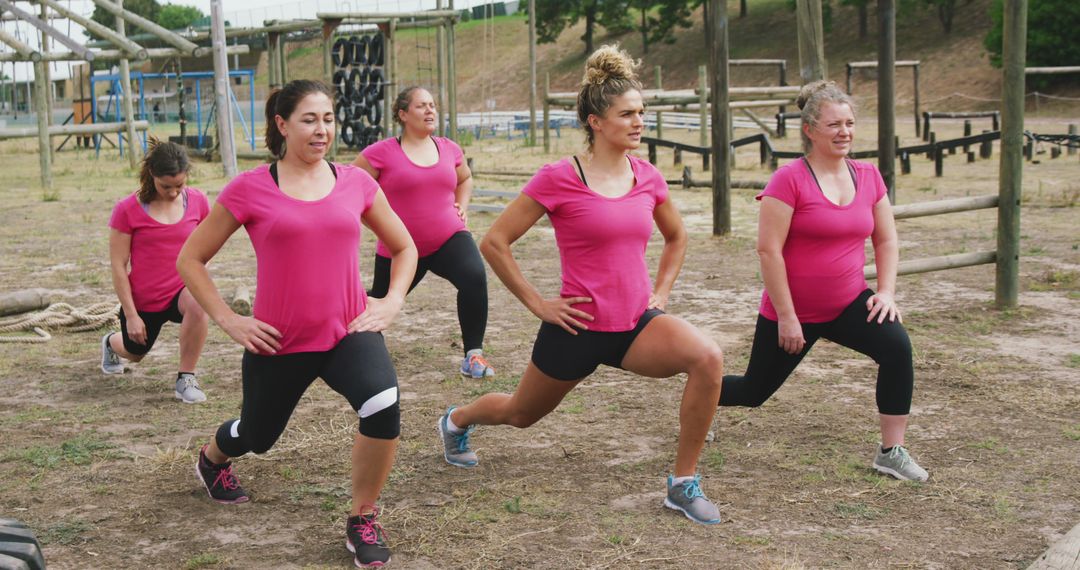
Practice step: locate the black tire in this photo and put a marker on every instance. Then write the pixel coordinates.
(374, 114)
(375, 50)
(341, 111)
(359, 76)
(340, 77)
(377, 79)
(375, 133)
(18, 547)
(348, 137)
(359, 47)
(354, 86)
(340, 53)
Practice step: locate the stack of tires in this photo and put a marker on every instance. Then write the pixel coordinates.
(360, 82)
(19, 550)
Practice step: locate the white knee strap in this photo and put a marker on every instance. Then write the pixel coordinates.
(234, 429)
(378, 402)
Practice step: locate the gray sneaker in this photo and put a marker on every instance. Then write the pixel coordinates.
(688, 498)
(456, 446)
(187, 389)
(110, 361)
(898, 463)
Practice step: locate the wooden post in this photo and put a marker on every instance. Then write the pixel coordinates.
(390, 70)
(271, 59)
(440, 56)
(451, 69)
(1010, 177)
(783, 82)
(812, 65)
(886, 95)
(717, 24)
(1071, 151)
(926, 127)
(967, 133)
(659, 114)
(44, 146)
(939, 162)
(48, 73)
(328, 28)
(905, 163)
(226, 143)
(283, 68)
(532, 73)
(986, 148)
(703, 105)
(547, 112)
(847, 83)
(129, 110)
(915, 71)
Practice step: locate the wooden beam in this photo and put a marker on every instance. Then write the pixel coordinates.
(1051, 70)
(125, 97)
(115, 54)
(929, 264)
(47, 29)
(938, 207)
(451, 70)
(135, 50)
(359, 16)
(226, 140)
(886, 95)
(41, 108)
(1011, 161)
(532, 72)
(136, 20)
(74, 130)
(874, 64)
(717, 25)
(24, 51)
(1062, 555)
(811, 35)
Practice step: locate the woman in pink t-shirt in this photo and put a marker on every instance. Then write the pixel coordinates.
(147, 230)
(603, 205)
(312, 319)
(429, 186)
(816, 214)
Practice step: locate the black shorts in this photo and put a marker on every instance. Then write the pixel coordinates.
(153, 322)
(564, 356)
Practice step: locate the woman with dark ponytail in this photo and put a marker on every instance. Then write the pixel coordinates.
(429, 185)
(312, 319)
(603, 204)
(148, 229)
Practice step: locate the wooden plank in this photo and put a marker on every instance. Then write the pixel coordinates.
(135, 50)
(166, 36)
(1011, 172)
(1062, 555)
(25, 52)
(943, 262)
(1051, 70)
(937, 207)
(115, 54)
(47, 29)
(872, 64)
(61, 130)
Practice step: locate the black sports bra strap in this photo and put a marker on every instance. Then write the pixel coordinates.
(274, 174)
(580, 171)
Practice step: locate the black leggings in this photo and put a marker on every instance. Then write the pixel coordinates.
(770, 365)
(458, 261)
(358, 368)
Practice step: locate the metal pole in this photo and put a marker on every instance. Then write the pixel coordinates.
(532, 73)
(226, 144)
(1010, 177)
(451, 70)
(812, 65)
(129, 111)
(440, 55)
(717, 23)
(44, 146)
(886, 94)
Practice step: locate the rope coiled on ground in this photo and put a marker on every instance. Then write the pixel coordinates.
(59, 317)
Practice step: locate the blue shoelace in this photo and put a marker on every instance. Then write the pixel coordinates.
(463, 439)
(693, 488)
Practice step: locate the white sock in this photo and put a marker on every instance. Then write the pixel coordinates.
(450, 427)
(681, 480)
(478, 351)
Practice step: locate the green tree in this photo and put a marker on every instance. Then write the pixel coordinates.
(946, 10)
(554, 16)
(659, 18)
(1051, 33)
(862, 7)
(148, 9)
(178, 16)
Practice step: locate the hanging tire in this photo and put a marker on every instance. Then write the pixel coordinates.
(359, 47)
(375, 50)
(341, 53)
(375, 133)
(360, 85)
(341, 111)
(348, 135)
(354, 86)
(18, 547)
(377, 80)
(340, 78)
(374, 114)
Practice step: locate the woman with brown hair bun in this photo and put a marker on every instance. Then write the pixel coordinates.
(603, 204)
(148, 229)
(816, 214)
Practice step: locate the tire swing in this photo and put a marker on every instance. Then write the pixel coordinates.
(340, 53)
(376, 84)
(359, 94)
(354, 87)
(375, 50)
(359, 46)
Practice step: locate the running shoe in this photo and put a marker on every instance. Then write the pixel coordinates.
(366, 539)
(898, 463)
(219, 480)
(456, 446)
(110, 361)
(688, 498)
(475, 366)
(187, 389)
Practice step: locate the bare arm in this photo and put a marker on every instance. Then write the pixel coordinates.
(463, 192)
(886, 257)
(119, 256)
(518, 217)
(200, 248)
(363, 163)
(670, 224)
(774, 221)
(390, 230)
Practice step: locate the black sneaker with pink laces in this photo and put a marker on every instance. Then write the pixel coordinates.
(219, 480)
(366, 539)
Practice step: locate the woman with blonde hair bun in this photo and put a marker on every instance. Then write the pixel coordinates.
(816, 214)
(603, 204)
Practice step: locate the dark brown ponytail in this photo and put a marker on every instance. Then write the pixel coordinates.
(281, 103)
(162, 159)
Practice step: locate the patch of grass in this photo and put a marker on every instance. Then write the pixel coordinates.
(66, 532)
(714, 459)
(573, 404)
(1073, 360)
(857, 511)
(1057, 280)
(204, 560)
(288, 473)
(76, 451)
(506, 385)
(616, 539)
(991, 444)
(1004, 507)
(1072, 432)
(751, 540)
(513, 506)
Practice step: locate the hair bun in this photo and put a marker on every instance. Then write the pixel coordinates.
(609, 62)
(810, 89)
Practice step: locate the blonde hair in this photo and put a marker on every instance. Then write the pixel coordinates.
(812, 97)
(609, 72)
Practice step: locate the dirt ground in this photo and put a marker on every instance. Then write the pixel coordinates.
(101, 467)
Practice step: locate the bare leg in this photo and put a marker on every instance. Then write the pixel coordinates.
(536, 396)
(669, 346)
(892, 430)
(371, 462)
(116, 342)
(214, 453)
(193, 330)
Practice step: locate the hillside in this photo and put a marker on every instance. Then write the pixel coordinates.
(955, 63)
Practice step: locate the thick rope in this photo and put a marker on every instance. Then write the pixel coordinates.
(59, 317)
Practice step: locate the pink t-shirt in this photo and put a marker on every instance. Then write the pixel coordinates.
(825, 249)
(308, 283)
(602, 240)
(154, 248)
(422, 196)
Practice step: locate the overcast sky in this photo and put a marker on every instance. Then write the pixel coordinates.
(237, 12)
